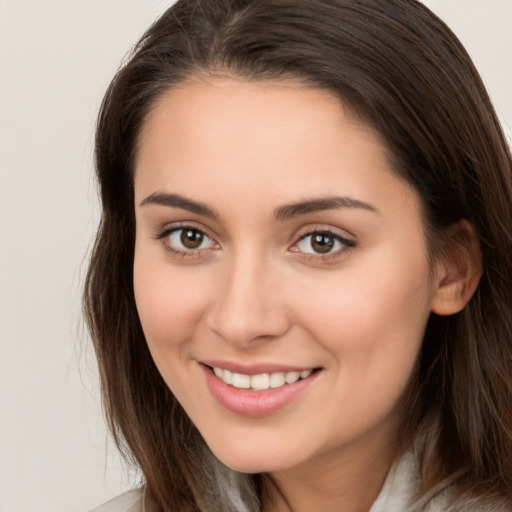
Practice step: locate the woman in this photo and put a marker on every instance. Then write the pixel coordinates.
(299, 294)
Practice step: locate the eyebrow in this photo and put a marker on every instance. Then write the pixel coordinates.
(317, 205)
(282, 213)
(177, 201)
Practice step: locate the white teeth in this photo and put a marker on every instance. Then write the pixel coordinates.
(241, 381)
(277, 380)
(262, 381)
(227, 376)
(292, 377)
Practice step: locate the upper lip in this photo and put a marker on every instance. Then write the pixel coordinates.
(257, 368)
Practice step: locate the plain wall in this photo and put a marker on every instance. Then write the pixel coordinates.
(56, 59)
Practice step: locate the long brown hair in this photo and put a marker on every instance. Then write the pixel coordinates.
(405, 73)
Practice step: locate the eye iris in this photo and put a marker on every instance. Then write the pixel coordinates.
(322, 242)
(191, 238)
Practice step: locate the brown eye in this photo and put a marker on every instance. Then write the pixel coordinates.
(191, 238)
(186, 241)
(322, 242)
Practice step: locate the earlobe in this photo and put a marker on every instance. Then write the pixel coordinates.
(459, 270)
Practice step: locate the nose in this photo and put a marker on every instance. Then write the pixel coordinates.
(248, 305)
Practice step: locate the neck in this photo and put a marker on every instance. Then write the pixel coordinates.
(347, 479)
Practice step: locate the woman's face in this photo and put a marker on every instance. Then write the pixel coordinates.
(273, 244)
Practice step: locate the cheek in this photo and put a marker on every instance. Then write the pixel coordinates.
(169, 302)
(372, 322)
(373, 330)
(359, 305)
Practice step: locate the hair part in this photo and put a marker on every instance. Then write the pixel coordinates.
(404, 73)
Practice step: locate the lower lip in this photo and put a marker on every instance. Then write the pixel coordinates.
(247, 402)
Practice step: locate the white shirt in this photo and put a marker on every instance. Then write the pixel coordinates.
(396, 495)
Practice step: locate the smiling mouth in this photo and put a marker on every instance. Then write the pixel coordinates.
(262, 381)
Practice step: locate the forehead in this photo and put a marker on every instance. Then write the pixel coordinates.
(282, 137)
(225, 112)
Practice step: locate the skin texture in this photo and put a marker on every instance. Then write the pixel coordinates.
(255, 291)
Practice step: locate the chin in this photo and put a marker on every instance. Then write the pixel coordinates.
(255, 459)
(253, 465)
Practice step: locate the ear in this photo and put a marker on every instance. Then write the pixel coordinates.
(458, 270)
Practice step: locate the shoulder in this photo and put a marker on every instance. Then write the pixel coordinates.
(399, 494)
(400, 486)
(130, 501)
(450, 501)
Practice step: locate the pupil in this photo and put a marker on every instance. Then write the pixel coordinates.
(322, 243)
(191, 238)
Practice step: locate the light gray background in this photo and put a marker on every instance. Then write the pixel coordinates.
(56, 59)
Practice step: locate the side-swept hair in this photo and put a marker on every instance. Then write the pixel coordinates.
(399, 67)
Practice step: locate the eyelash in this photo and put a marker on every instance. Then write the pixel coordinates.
(184, 253)
(346, 244)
